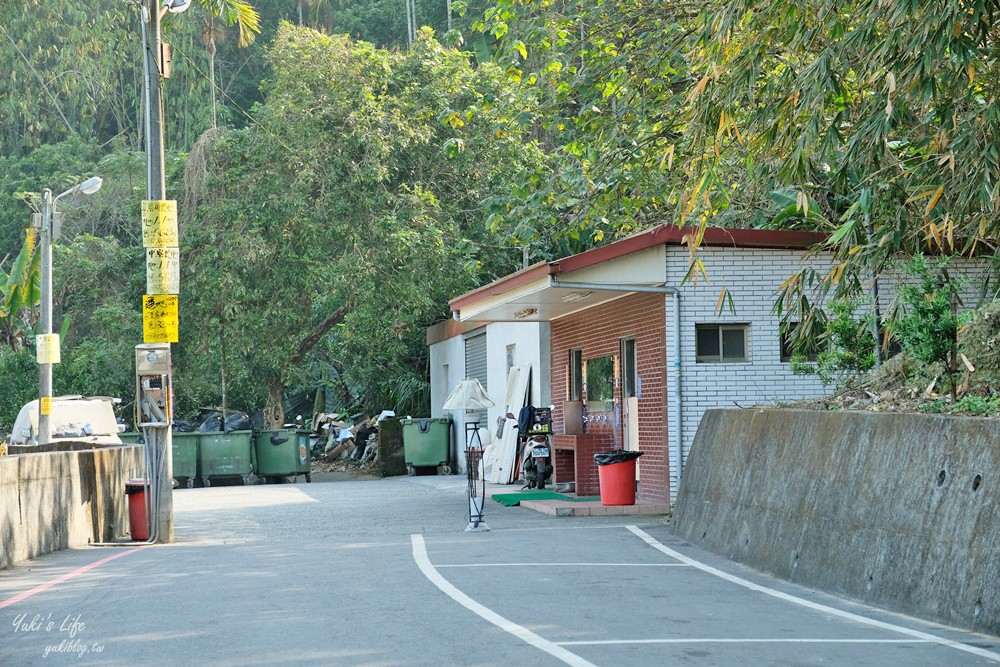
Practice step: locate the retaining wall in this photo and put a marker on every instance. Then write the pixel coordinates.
(55, 500)
(891, 509)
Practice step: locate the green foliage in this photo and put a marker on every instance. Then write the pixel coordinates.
(979, 406)
(600, 86)
(56, 166)
(362, 223)
(20, 373)
(928, 327)
(69, 70)
(101, 362)
(973, 406)
(19, 292)
(850, 347)
(880, 112)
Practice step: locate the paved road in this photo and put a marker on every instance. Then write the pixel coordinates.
(380, 573)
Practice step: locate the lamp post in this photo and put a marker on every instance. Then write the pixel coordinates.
(89, 186)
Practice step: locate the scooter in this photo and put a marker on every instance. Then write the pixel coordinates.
(536, 465)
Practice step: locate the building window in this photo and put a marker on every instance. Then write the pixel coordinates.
(808, 350)
(721, 343)
(575, 377)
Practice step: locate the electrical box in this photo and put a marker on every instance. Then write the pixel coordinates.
(153, 384)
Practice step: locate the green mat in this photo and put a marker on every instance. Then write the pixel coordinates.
(511, 499)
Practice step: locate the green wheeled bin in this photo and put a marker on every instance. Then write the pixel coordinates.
(184, 456)
(130, 437)
(282, 453)
(225, 455)
(427, 443)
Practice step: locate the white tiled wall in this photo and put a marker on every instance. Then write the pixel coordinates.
(752, 277)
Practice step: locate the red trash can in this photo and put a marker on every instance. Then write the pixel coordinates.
(616, 474)
(617, 483)
(136, 490)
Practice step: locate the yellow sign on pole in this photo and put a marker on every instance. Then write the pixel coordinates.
(159, 318)
(45, 405)
(163, 270)
(159, 223)
(47, 349)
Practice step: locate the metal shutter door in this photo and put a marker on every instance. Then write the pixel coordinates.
(475, 367)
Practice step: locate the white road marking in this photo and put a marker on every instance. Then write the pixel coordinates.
(522, 633)
(653, 542)
(604, 642)
(564, 565)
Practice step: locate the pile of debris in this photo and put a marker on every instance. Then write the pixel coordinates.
(901, 385)
(344, 465)
(346, 444)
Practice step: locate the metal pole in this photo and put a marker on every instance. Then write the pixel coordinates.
(156, 189)
(45, 369)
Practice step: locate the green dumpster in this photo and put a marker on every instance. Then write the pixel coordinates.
(183, 453)
(282, 453)
(427, 443)
(222, 455)
(184, 456)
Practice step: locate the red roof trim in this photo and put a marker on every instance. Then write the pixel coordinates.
(449, 328)
(666, 234)
(505, 284)
(673, 235)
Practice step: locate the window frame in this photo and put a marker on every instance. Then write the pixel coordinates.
(720, 358)
(785, 351)
(574, 375)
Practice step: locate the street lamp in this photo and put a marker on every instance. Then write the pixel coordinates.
(88, 187)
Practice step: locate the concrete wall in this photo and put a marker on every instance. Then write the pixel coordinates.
(51, 501)
(892, 509)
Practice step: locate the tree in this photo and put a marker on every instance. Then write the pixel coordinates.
(368, 172)
(882, 112)
(928, 326)
(873, 121)
(21, 292)
(601, 86)
(231, 13)
(70, 70)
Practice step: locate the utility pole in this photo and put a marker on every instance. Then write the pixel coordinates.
(158, 438)
(155, 183)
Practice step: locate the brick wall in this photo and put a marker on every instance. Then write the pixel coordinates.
(598, 332)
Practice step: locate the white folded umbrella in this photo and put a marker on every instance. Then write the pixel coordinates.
(468, 394)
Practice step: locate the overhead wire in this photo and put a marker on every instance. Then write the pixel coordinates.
(228, 97)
